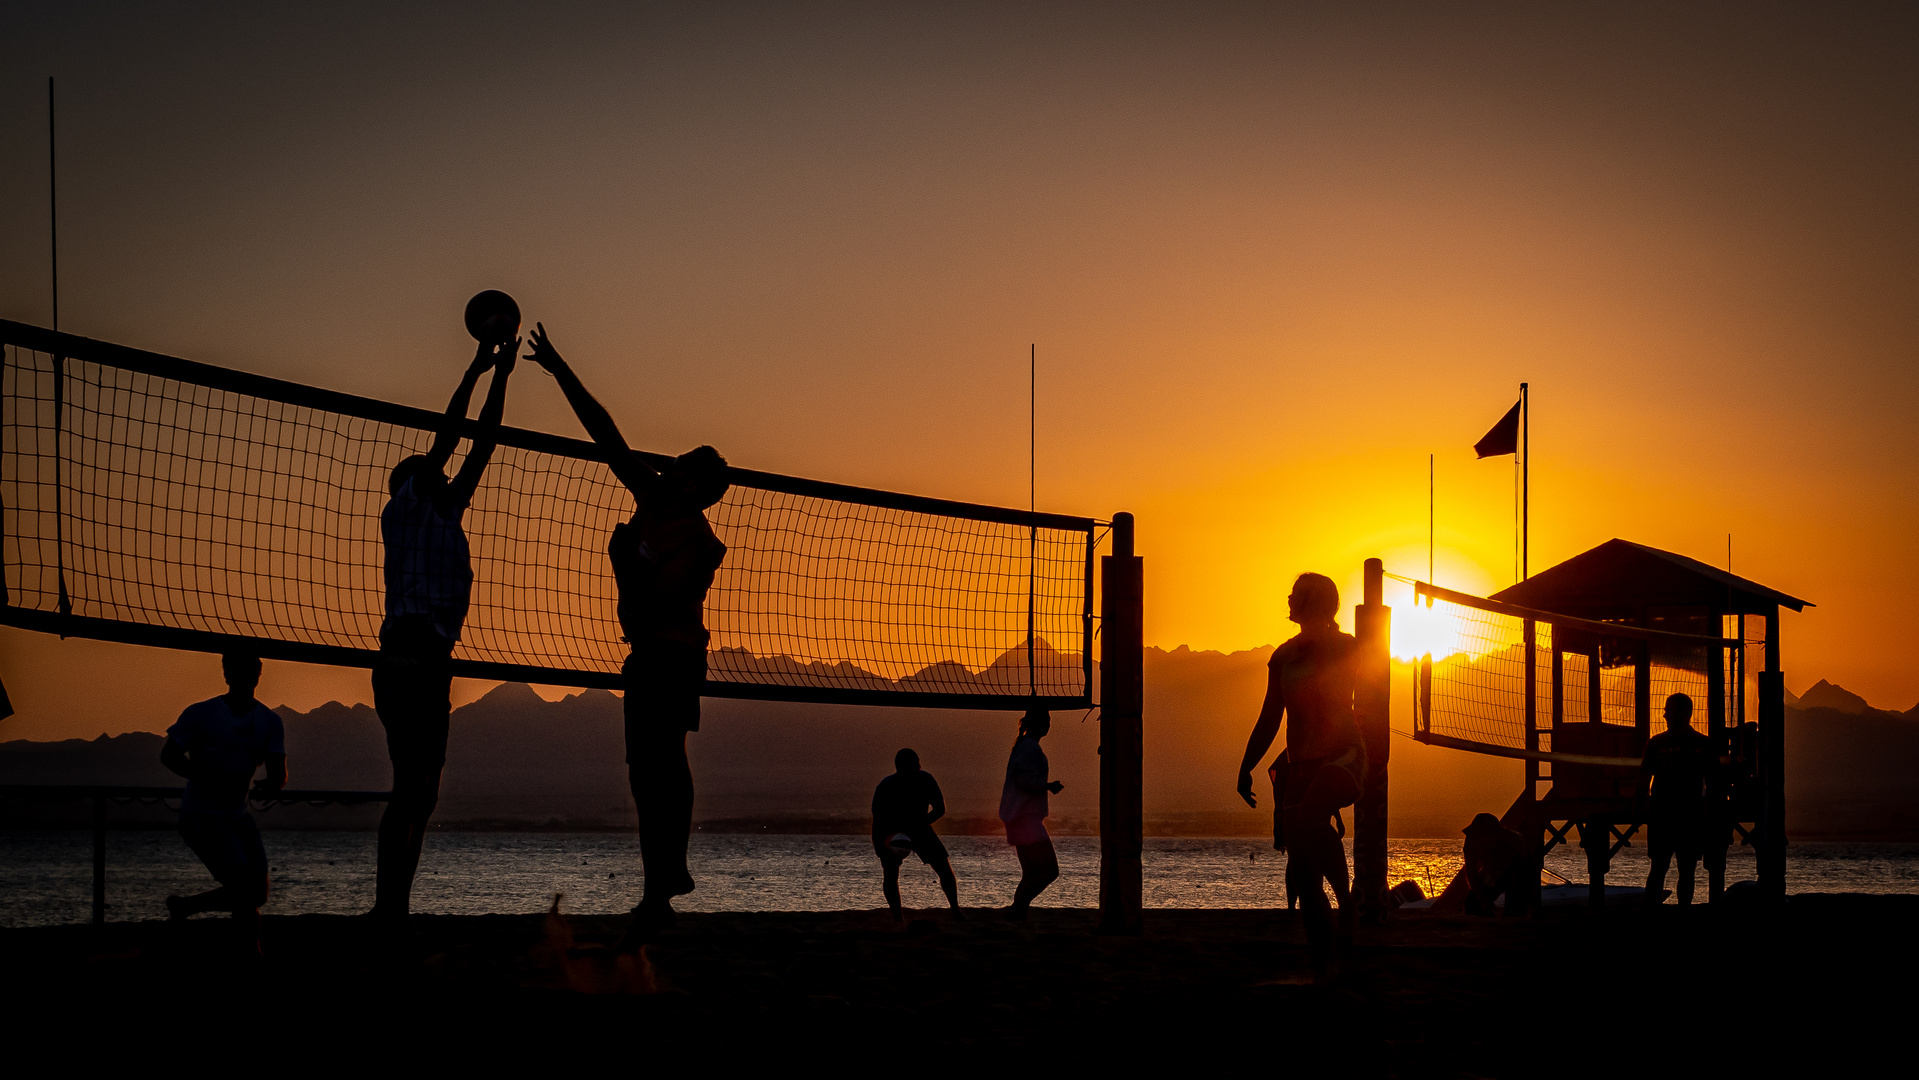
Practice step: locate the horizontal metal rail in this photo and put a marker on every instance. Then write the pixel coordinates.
(1592, 626)
(1495, 750)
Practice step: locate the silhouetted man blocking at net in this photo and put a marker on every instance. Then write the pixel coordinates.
(664, 560)
(218, 745)
(905, 806)
(1023, 807)
(1309, 683)
(1679, 762)
(429, 580)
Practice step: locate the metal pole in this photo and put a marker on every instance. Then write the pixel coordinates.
(1372, 701)
(1772, 766)
(99, 859)
(53, 207)
(1122, 693)
(1525, 478)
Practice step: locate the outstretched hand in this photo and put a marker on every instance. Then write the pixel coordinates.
(482, 359)
(1056, 787)
(506, 355)
(544, 354)
(1246, 789)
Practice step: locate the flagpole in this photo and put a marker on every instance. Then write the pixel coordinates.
(1525, 477)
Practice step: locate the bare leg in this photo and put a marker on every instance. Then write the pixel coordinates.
(403, 826)
(1039, 867)
(890, 886)
(1660, 853)
(949, 885)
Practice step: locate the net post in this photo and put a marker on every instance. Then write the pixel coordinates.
(1529, 637)
(1121, 808)
(1772, 766)
(1372, 700)
(99, 859)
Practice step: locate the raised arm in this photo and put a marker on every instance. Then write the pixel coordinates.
(454, 500)
(456, 406)
(593, 416)
(1265, 730)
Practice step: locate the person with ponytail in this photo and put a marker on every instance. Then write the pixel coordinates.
(1022, 806)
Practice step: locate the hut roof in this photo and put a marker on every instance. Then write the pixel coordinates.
(1620, 578)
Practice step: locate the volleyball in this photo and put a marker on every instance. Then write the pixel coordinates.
(492, 317)
(900, 844)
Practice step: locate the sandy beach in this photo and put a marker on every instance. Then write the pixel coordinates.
(1572, 992)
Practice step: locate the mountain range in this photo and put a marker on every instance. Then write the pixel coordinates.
(517, 760)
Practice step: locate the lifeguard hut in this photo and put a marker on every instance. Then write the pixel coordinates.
(1628, 584)
(1568, 669)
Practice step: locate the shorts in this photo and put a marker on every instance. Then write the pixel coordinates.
(413, 693)
(1020, 831)
(229, 845)
(663, 684)
(926, 844)
(1300, 774)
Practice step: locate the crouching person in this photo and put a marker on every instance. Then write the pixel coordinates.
(218, 745)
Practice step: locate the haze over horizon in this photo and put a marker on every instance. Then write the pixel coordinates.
(1270, 260)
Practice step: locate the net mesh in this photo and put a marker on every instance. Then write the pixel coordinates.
(177, 504)
(1473, 673)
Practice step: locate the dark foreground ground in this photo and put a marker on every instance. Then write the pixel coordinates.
(1824, 982)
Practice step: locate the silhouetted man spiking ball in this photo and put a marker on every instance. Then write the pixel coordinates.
(664, 559)
(905, 806)
(429, 582)
(1309, 684)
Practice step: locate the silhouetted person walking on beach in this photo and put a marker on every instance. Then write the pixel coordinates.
(905, 806)
(218, 745)
(1678, 762)
(664, 560)
(429, 580)
(1310, 682)
(1022, 806)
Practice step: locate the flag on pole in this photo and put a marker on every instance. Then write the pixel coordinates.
(1503, 438)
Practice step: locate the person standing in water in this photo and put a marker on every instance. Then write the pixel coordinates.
(664, 560)
(1022, 806)
(905, 806)
(429, 583)
(1309, 683)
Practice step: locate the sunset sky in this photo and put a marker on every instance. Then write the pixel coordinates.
(1271, 257)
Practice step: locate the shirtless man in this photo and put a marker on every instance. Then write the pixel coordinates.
(1310, 682)
(905, 806)
(663, 560)
(429, 582)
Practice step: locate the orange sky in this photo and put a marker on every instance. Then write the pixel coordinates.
(1270, 260)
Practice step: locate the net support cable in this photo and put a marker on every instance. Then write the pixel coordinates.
(1511, 681)
(158, 501)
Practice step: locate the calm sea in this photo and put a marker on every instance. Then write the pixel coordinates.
(46, 876)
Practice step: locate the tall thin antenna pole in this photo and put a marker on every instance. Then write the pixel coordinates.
(1032, 507)
(1525, 479)
(1431, 491)
(53, 206)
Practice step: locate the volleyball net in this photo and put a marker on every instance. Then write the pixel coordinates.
(160, 501)
(1497, 678)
